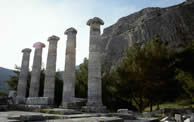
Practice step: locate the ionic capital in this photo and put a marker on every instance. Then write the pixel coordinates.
(95, 20)
(70, 30)
(38, 45)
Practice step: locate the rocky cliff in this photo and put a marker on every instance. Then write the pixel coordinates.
(174, 25)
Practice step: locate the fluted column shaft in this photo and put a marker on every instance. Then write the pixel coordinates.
(49, 87)
(22, 83)
(69, 72)
(94, 64)
(36, 70)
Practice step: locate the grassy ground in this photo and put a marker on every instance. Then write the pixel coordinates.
(178, 104)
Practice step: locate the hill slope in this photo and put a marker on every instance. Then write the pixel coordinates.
(4, 75)
(174, 25)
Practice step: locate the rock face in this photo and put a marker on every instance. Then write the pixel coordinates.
(174, 25)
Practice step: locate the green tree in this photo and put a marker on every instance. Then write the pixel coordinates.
(82, 79)
(184, 69)
(143, 71)
(13, 80)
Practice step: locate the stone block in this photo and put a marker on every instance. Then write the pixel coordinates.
(22, 107)
(187, 120)
(178, 117)
(38, 101)
(75, 103)
(27, 118)
(192, 117)
(122, 111)
(148, 120)
(60, 111)
(124, 116)
(12, 93)
(20, 100)
(94, 109)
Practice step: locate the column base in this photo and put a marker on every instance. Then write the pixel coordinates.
(20, 100)
(38, 101)
(73, 103)
(22, 107)
(94, 109)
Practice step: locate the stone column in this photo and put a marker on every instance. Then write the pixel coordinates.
(49, 85)
(22, 83)
(94, 103)
(36, 70)
(69, 72)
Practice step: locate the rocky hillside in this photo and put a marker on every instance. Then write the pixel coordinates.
(4, 75)
(174, 25)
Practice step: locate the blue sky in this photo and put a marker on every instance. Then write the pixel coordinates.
(24, 22)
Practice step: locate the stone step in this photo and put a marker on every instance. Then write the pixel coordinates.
(90, 119)
(60, 111)
(13, 121)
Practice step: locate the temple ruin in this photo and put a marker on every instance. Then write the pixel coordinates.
(94, 100)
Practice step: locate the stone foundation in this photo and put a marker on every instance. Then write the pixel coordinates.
(38, 101)
(94, 109)
(74, 103)
(22, 107)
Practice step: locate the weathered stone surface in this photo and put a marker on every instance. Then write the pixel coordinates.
(187, 120)
(143, 120)
(174, 25)
(49, 86)
(62, 118)
(124, 116)
(92, 119)
(122, 111)
(178, 117)
(24, 107)
(60, 111)
(3, 120)
(69, 72)
(27, 118)
(14, 99)
(192, 117)
(22, 83)
(74, 103)
(38, 101)
(94, 68)
(36, 69)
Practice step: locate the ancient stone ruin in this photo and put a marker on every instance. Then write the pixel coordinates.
(69, 71)
(94, 68)
(94, 102)
(49, 86)
(36, 69)
(22, 83)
